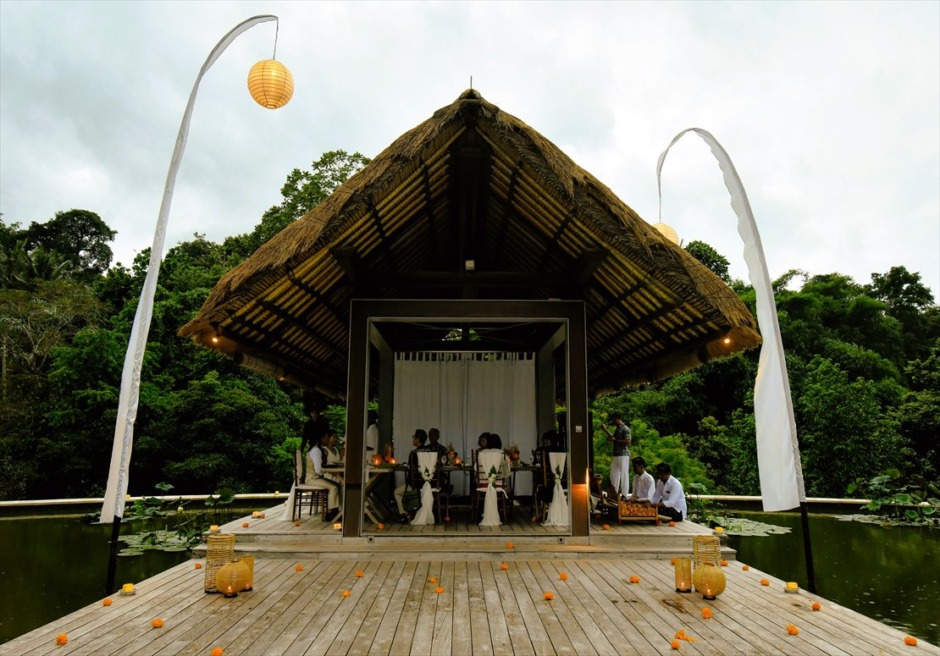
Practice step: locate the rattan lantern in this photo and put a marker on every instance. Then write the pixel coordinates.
(232, 578)
(270, 84)
(683, 574)
(706, 549)
(709, 580)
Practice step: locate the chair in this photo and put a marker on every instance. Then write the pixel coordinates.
(488, 460)
(427, 469)
(317, 496)
(558, 510)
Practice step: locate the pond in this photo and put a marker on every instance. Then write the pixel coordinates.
(51, 566)
(891, 574)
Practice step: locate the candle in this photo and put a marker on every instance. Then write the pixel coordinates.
(127, 589)
(456, 461)
(214, 528)
(338, 527)
(792, 586)
(256, 514)
(719, 529)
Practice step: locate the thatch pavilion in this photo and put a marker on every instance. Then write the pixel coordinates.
(472, 234)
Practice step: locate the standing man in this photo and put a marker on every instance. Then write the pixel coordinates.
(669, 498)
(620, 462)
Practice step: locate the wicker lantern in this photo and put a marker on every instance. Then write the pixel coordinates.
(270, 83)
(376, 460)
(250, 564)
(709, 580)
(683, 574)
(232, 578)
(667, 231)
(706, 549)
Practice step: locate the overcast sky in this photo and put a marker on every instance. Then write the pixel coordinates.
(830, 111)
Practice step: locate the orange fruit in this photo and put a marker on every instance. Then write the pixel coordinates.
(346, 593)
(61, 639)
(549, 596)
(792, 630)
(910, 640)
(358, 573)
(815, 605)
(107, 602)
(674, 644)
(156, 623)
(504, 566)
(197, 566)
(745, 568)
(563, 576)
(438, 589)
(764, 582)
(724, 563)
(217, 651)
(298, 568)
(245, 524)
(634, 579)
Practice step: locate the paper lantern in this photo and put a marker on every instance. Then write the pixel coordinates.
(270, 83)
(232, 578)
(667, 231)
(709, 580)
(683, 574)
(376, 460)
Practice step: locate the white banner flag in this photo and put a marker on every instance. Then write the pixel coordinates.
(778, 453)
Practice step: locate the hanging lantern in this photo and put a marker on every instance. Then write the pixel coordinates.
(667, 231)
(232, 578)
(683, 574)
(709, 580)
(270, 83)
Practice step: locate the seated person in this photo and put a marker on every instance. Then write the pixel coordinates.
(668, 496)
(372, 435)
(335, 457)
(413, 478)
(643, 483)
(434, 444)
(495, 443)
(316, 461)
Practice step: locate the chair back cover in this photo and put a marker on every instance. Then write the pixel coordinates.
(490, 460)
(427, 469)
(558, 511)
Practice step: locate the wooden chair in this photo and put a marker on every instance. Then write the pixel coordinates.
(316, 497)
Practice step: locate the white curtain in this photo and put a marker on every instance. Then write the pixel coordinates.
(465, 394)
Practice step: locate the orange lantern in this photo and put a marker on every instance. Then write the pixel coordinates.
(376, 460)
(709, 580)
(270, 84)
(232, 578)
(683, 567)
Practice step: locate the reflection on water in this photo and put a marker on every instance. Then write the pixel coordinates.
(890, 574)
(51, 567)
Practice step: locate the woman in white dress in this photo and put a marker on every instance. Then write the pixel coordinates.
(317, 459)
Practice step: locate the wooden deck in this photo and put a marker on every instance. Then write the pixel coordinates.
(395, 608)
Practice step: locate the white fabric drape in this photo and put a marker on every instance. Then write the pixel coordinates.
(427, 465)
(778, 453)
(558, 510)
(465, 394)
(491, 464)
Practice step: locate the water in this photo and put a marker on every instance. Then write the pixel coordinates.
(891, 574)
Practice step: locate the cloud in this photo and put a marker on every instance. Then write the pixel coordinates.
(830, 111)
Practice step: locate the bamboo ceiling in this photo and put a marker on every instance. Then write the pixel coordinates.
(473, 183)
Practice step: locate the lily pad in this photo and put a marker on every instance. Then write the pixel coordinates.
(749, 527)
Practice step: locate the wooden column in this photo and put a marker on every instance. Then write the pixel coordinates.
(357, 395)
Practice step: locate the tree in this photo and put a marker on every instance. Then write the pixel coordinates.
(78, 236)
(711, 258)
(302, 191)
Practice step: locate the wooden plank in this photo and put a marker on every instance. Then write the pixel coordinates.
(404, 631)
(507, 632)
(460, 632)
(531, 595)
(382, 642)
(443, 621)
(572, 613)
(526, 631)
(423, 633)
(480, 640)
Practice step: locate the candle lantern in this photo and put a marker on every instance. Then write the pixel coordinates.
(709, 579)
(706, 549)
(128, 589)
(232, 578)
(250, 564)
(683, 574)
(376, 460)
(220, 549)
(457, 460)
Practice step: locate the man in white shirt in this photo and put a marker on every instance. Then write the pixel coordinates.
(668, 496)
(643, 483)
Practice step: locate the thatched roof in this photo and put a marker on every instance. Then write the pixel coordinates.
(474, 183)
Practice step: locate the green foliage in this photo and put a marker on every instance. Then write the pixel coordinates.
(899, 499)
(711, 258)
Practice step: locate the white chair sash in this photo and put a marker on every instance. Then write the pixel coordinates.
(427, 465)
(490, 465)
(558, 510)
